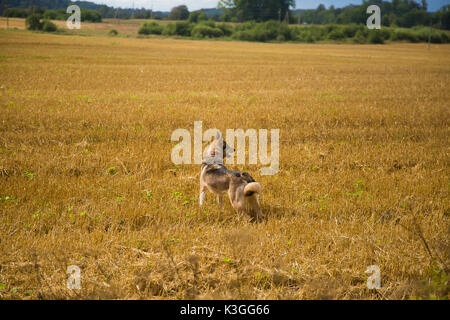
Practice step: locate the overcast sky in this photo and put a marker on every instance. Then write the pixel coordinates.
(166, 5)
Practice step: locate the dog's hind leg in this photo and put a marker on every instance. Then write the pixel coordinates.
(255, 208)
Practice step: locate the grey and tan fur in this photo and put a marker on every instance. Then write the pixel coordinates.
(242, 189)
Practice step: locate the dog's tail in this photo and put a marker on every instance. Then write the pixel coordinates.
(252, 188)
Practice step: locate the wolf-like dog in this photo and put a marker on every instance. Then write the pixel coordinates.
(242, 189)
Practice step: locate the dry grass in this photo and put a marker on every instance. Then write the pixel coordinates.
(86, 176)
(126, 28)
(11, 23)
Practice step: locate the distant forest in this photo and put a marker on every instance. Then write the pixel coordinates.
(401, 13)
(104, 10)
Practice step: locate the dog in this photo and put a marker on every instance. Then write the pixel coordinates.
(242, 189)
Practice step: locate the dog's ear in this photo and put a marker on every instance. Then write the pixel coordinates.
(247, 177)
(228, 148)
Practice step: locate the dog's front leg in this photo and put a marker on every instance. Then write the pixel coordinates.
(202, 195)
(202, 198)
(220, 201)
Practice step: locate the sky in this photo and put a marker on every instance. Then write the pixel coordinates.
(166, 5)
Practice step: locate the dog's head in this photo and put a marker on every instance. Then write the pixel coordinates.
(217, 150)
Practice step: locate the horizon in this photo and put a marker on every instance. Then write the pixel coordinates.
(167, 5)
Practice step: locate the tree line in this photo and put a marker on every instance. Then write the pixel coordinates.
(275, 31)
(401, 13)
(398, 13)
(52, 14)
(23, 8)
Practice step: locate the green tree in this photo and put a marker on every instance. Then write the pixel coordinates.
(413, 18)
(424, 5)
(150, 28)
(197, 16)
(49, 26)
(441, 18)
(90, 15)
(179, 13)
(33, 22)
(258, 10)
